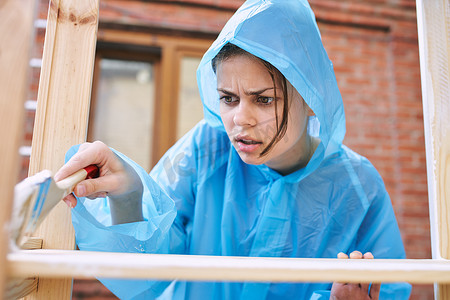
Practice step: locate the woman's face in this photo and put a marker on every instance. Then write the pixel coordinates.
(247, 109)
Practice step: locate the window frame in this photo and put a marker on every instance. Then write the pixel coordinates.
(168, 52)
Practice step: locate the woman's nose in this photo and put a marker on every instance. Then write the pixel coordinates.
(244, 115)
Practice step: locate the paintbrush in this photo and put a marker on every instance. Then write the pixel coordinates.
(36, 196)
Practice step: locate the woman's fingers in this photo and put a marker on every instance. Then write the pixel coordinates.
(101, 185)
(363, 286)
(375, 291)
(355, 290)
(70, 200)
(112, 172)
(84, 189)
(95, 153)
(356, 255)
(76, 162)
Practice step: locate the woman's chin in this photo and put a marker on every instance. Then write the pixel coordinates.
(251, 158)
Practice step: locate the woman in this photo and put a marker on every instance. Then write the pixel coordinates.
(264, 174)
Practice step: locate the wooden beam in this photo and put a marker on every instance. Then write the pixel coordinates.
(16, 27)
(62, 113)
(433, 18)
(165, 106)
(21, 287)
(153, 39)
(85, 264)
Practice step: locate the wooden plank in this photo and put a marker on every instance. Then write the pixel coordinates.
(84, 264)
(152, 39)
(433, 18)
(16, 289)
(62, 113)
(165, 123)
(16, 28)
(32, 243)
(19, 288)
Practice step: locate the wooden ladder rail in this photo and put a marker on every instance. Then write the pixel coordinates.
(433, 18)
(16, 30)
(62, 114)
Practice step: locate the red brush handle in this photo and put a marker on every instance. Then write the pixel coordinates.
(93, 171)
(89, 172)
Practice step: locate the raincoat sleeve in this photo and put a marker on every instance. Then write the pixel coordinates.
(378, 232)
(168, 201)
(158, 233)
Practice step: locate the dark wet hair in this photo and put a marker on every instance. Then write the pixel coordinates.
(231, 50)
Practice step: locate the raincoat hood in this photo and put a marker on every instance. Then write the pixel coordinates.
(285, 34)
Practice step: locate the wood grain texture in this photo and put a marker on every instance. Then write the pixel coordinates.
(20, 288)
(16, 28)
(84, 264)
(32, 243)
(443, 292)
(165, 129)
(62, 113)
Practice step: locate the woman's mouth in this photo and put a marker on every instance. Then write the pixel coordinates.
(247, 145)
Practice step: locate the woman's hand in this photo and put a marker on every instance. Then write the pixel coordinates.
(341, 291)
(117, 179)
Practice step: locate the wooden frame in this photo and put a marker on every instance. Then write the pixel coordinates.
(14, 55)
(62, 112)
(433, 16)
(181, 54)
(84, 264)
(434, 45)
(105, 52)
(167, 71)
(171, 50)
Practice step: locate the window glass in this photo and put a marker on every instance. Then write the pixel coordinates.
(190, 108)
(123, 112)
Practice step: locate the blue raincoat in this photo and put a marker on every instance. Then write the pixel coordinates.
(201, 198)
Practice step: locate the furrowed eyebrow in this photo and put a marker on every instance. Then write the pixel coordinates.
(258, 92)
(224, 91)
(248, 93)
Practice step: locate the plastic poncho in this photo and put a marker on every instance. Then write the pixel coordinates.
(201, 198)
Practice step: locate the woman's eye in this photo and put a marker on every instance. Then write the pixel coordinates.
(226, 99)
(266, 100)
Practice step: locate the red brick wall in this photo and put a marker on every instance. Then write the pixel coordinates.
(377, 68)
(373, 45)
(375, 55)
